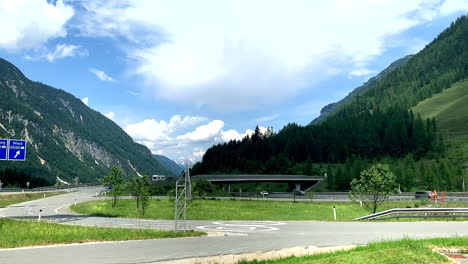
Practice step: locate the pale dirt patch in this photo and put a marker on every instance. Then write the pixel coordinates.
(261, 255)
(454, 255)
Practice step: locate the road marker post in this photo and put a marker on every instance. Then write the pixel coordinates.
(334, 213)
(40, 213)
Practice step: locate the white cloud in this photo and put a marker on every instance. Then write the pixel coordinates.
(252, 52)
(101, 75)
(170, 138)
(61, 51)
(27, 24)
(417, 44)
(452, 6)
(361, 72)
(265, 119)
(110, 115)
(198, 154)
(204, 132)
(85, 100)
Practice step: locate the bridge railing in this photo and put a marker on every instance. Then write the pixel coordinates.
(416, 213)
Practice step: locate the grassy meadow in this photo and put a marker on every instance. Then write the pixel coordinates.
(16, 233)
(406, 251)
(244, 209)
(9, 199)
(450, 109)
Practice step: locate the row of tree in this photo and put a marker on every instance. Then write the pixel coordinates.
(368, 134)
(12, 178)
(141, 189)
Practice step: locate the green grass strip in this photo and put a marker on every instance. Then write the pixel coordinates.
(16, 233)
(245, 210)
(9, 199)
(406, 251)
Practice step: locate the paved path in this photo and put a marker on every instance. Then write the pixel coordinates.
(250, 235)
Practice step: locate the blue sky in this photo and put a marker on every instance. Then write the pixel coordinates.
(179, 76)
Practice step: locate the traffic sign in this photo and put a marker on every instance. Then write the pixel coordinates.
(17, 149)
(3, 149)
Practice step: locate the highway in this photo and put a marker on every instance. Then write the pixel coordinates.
(241, 236)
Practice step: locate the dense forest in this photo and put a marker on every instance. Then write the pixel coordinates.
(373, 126)
(18, 179)
(368, 135)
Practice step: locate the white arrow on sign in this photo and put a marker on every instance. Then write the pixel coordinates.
(17, 153)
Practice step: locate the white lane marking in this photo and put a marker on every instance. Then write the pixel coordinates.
(238, 229)
(242, 227)
(57, 210)
(249, 223)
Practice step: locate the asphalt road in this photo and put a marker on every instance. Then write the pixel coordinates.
(245, 236)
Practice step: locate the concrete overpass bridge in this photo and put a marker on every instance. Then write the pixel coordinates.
(302, 182)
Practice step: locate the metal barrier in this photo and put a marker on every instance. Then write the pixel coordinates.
(420, 212)
(50, 188)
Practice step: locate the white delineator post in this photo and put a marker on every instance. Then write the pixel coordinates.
(40, 214)
(334, 213)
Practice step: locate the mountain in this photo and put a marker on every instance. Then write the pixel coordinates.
(169, 164)
(333, 107)
(426, 148)
(65, 137)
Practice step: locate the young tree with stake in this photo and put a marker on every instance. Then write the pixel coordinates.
(374, 186)
(115, 182)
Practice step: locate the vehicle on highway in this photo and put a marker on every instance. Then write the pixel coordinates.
(422, 195)
(158, 178)
(264, 193)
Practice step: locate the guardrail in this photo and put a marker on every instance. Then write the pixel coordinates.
(417, 212)
(50, 188)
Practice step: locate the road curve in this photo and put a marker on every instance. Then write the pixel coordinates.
(252, 235)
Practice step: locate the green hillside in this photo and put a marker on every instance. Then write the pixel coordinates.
(450, 109)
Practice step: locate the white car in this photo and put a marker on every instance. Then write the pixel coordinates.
(264, 193)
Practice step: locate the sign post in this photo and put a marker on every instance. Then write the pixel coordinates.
(17, 150)
(3, 149)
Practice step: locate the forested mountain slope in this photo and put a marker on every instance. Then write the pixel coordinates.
(65, 137)
(333, 107)
(169, 164)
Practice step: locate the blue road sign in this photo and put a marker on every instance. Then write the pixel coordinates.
(16, 149)
(3, 149)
